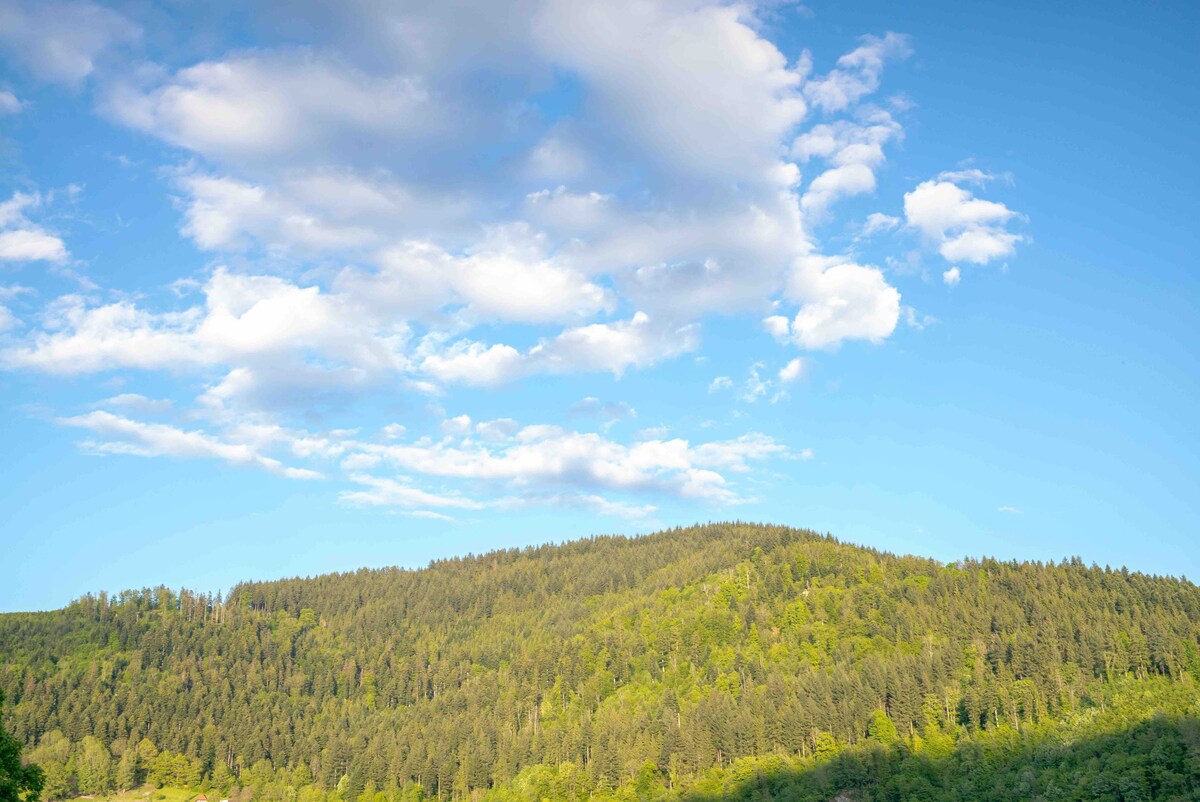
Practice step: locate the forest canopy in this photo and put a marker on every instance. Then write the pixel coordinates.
(720, 661)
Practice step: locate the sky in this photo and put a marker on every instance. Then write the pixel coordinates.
(292, 288)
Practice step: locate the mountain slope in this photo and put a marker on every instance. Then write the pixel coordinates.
(611, 663)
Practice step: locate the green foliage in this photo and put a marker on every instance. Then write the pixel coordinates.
(696, 661)
(19, 782)
(1144, 744)
(881, 729)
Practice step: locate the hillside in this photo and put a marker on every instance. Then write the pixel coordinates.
(718, 661)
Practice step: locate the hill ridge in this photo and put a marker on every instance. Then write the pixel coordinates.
(655, 659)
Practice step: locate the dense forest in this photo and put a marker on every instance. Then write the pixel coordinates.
(725, 661)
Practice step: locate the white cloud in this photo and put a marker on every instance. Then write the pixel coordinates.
(670, 78)
(1008, 509)
(652, 433)
(979, 245)
(970, 175)
(126, 436)
(916, 320)
(314, 211)
(940, 207)
(537, 457)
(136, 402)
(777, 326)
(393, 431)
(31, 245)
(734, 455)
(556, 158)
(755, 385)
(877, 222)
(505, 465)
(224, 213)
(963, 227)
(720, 383)
(627, 225)
(276, 338)
(61, 42)
(610, 412)
(570, 212)
(792, 370)
(498, 430)
(590, 502)
(637, 342)
(713, 223)
(467, 362)
(857, 74)
(392, 493)
(22, 240)
(615, 347)
(429, 515)
(507, 276)
(837, 183)
(854, 149)
(270, 105)
(951, 277)
(504, 286)
(839, 300)
(9, 104)
(456, 426)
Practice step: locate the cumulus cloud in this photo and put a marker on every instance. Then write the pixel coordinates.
(670, 78)
(394, 225)
(836, 183)
(22, 240)
(261, 327)
(269, 105)
(792, 370)
(560, 255)
(964, 228)
(853, 149)
(638, 342)
(223, 213)
(31, 245)
(857, 74)
(839, 300)
(951, 277)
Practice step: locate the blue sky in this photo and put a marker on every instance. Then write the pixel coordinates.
(285, 290)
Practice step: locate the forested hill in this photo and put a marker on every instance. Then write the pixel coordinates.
(710, 662)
